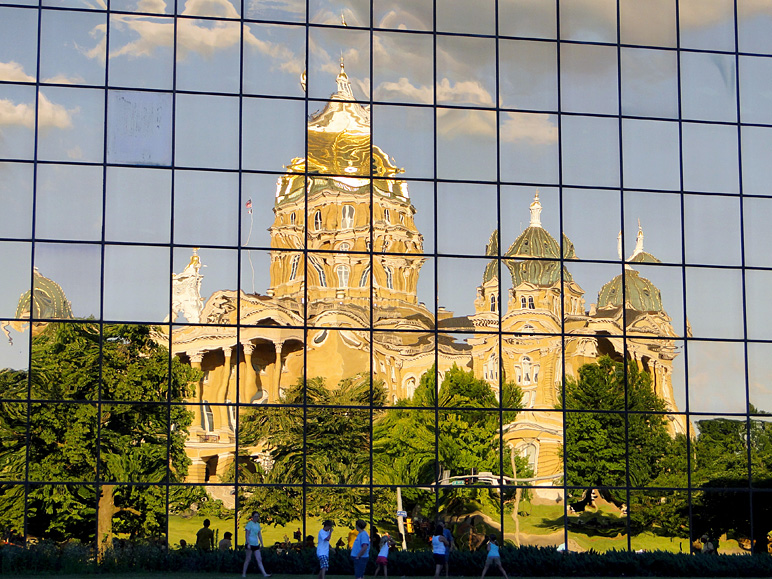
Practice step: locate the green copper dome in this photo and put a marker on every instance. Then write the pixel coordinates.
(492, 249)
(640, 293)
(48, 302)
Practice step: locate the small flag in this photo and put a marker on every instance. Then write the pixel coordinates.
(249, 206)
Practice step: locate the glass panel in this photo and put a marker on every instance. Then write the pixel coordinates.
(14, 360)
(708, 86)
(212, 65)
(16, 197)
(204, 296)
(344, 506)
(333, 359)
(528, 75)
(529, 18)
(260, 118)
(287, 10)
(588, 76)
(709, 291)
(594, 236)
(460, 282)
(219, 9)
(124, 458)
(13, 416)
(136, 283)
(760, 429)
(649, 82)
(279, 274)
(139, 128)
(659, 217)
(155, 7)
(216, 503)
(274, 58)
(356, 13)
(759, 373)
(202, 120)
(533, 363)
(15, 260)
(327, 47)
(138, 205)
(466, 144)
(515, 204)
(74, 459)
(755, 89)
(707, 24)
(260, 193)
(462, 84)
(345, 276)
(69, 202)
(753, 22)
(710, 158)
(721, 452)
(206, 208)
(659, 521)
(716, 377)
(590, 151)
(712, 230)
(403, 68)
(466, 17)
(79, 116)
(756, 171)
(45, 505)
(534, 517)
(728, 510)
(653, 23)
(18, 123)
(18, 44)
(528, 149)
(347, 463)
(655, 293)
(457, 205)
(592, 20)
(406, 135)
(73, 47)
(400, 361)
(280, 510)
(403, 14)
(70, 288)
(12, 498)
(606, 279)
(651, 154)
(757, 305)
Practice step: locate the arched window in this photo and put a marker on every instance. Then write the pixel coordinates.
(364, 281)
(347, 218)
(522, 302)
(386, 216)
(530, 303)
(389, 277)
(319, 271)
(525, 362)
(317, 221)
(294, 266)
(410, 387)
(493, 302)
(343, 275)
(530, 452)
(292, 218)
(345, 246)
(207, 417)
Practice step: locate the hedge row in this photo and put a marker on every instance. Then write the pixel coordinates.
(48, 558)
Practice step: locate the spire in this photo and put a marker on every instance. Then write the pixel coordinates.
(638, 241)
(344, 86)
(619, 245)
(536, 211)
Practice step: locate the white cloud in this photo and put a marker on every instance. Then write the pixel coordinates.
(468, 92)
(405, 89)
(536, 128)
(50, 115)
(14, 72)
(63, 79)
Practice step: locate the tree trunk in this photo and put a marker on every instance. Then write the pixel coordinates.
(518, 495)
(105, 512)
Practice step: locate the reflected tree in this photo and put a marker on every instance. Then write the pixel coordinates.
(70, 440)
(331, 446)
(466, 438)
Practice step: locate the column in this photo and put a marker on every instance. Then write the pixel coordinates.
(221, 412)
(196, 471)
(248, 387)
(195, 407)
(273, 396)
(224, 462)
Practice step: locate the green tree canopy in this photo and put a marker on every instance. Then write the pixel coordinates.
(97, 418)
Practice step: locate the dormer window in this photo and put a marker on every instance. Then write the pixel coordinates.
(530, 303)
(493, 302)
(523, 303)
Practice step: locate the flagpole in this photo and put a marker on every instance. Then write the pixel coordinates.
(249, 235)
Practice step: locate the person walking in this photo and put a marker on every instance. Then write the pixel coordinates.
(360, 550)
(254, 540)
(494, 557)
(323, 547)
(451, 546)
(383, 556)
(205, 537)
(439, 547)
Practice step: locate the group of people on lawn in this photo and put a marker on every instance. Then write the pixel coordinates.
(442, 545)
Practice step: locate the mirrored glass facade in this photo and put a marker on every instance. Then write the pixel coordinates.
(503, 263)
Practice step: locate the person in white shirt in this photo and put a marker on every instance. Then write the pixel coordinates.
(383, 556)
(323, 547)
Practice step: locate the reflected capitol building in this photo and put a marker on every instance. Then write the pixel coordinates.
(344, 273)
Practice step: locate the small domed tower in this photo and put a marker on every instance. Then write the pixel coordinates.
(344, 203)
